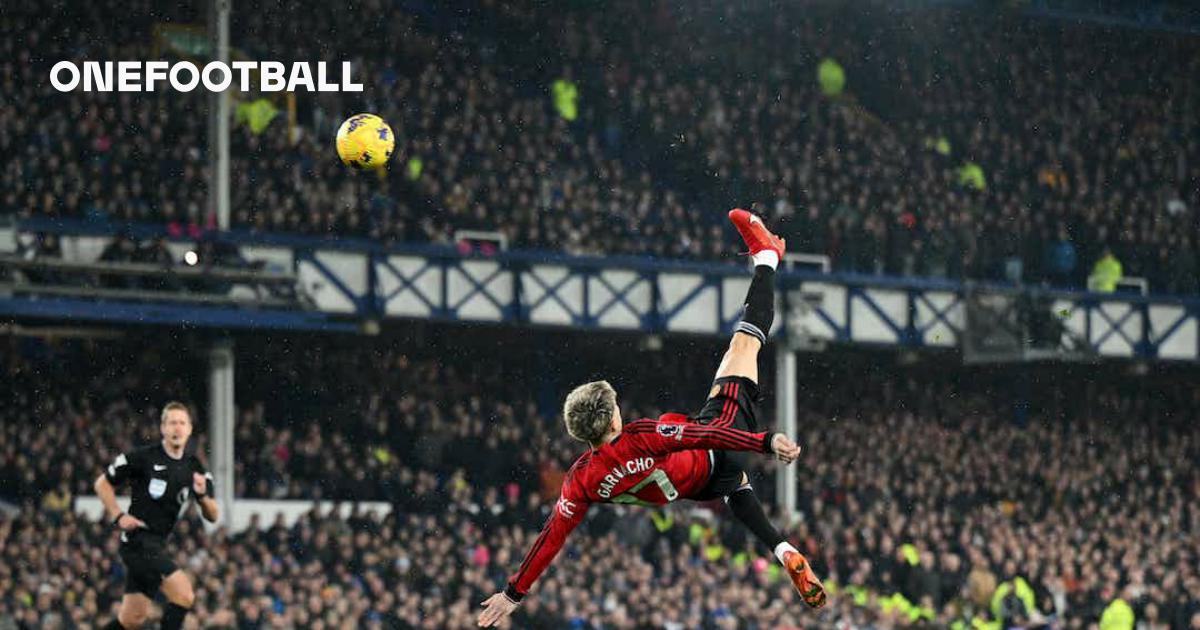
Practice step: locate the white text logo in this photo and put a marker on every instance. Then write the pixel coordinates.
(185, 76)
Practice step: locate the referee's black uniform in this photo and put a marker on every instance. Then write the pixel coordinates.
(161, 487)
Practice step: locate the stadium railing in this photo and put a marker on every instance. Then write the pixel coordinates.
(367, 281)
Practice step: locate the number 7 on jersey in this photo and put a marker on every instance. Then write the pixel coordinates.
(659, 476)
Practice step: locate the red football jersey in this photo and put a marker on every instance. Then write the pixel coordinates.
(650, 463)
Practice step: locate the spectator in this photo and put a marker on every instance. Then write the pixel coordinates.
(1061, 259)
(1106, 273)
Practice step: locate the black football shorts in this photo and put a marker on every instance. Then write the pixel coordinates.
(145, 567)
(733, 402)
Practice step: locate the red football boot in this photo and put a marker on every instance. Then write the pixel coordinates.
(803, 578)
(755, 234)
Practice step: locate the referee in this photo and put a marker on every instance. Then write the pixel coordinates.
(162, 479)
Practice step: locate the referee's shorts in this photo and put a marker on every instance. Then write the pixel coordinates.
(146, 565)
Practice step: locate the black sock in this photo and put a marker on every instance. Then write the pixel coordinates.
(745, 506)
(173, 617)
(113, 625)
(760, 305)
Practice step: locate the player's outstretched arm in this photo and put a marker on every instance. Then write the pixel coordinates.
(567, 514)
(663, 437)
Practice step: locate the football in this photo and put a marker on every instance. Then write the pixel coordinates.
(365, 141)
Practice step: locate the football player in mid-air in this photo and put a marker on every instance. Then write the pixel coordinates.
(700, 457)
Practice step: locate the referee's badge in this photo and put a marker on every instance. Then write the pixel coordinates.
(157, 488)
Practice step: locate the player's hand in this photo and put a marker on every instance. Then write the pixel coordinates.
(128, 523)
(785, 449)
(495, 609)
(199, 484)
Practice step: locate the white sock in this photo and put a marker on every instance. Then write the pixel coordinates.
(783, 547)
(766, 257)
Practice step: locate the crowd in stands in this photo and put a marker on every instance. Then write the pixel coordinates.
(120, 156)
(481, 149)
(923, 493)
(956, 145)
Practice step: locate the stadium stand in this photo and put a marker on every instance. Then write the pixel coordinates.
(928, 142)
(684, 115)
(84, 154)
(924, 491)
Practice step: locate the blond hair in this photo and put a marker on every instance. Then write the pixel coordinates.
(588, 411)
(175, 405)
